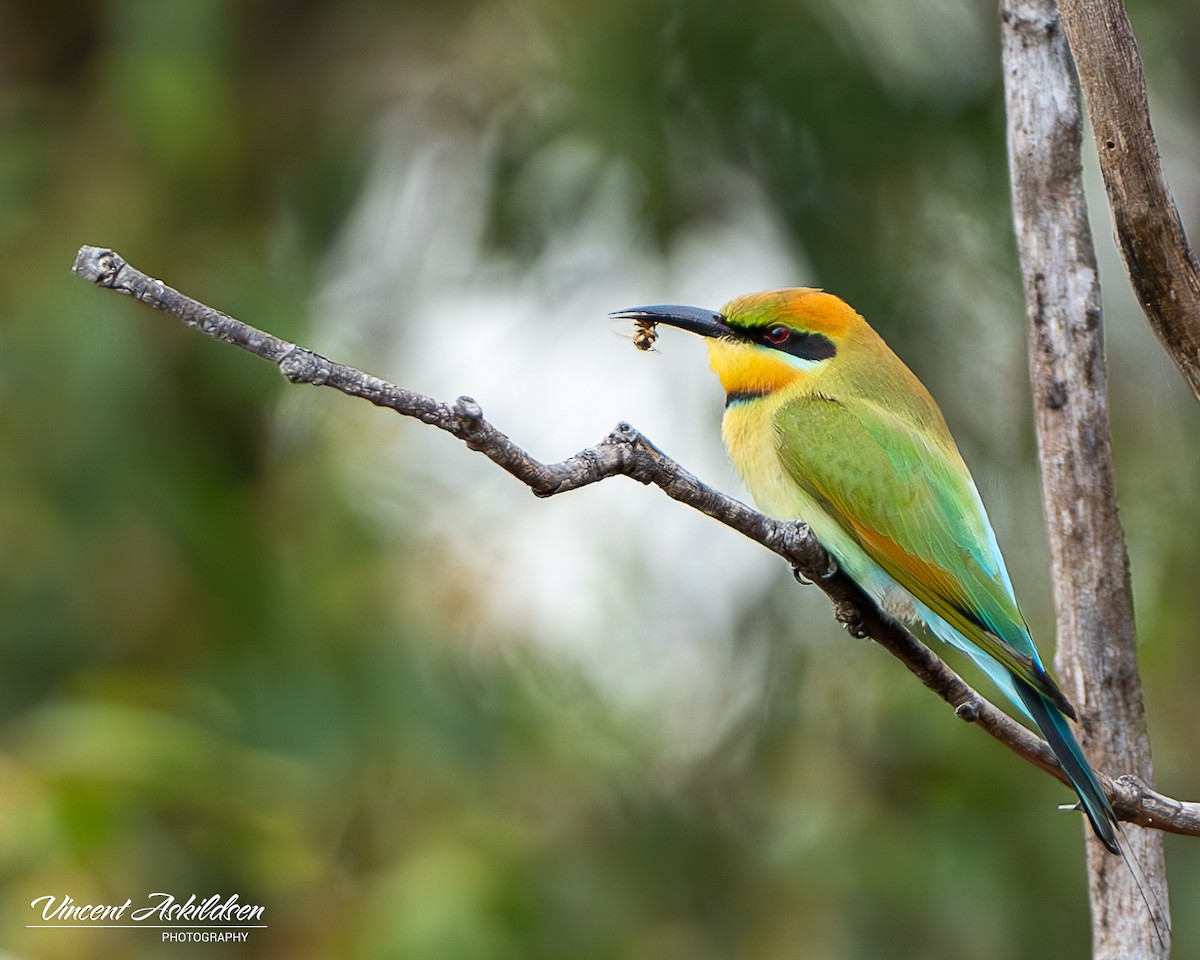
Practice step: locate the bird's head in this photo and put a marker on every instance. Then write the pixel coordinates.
(765, 342)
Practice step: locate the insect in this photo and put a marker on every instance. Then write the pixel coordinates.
(644, 334)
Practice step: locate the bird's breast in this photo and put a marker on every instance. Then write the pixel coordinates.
(751, 439)
(749, 432)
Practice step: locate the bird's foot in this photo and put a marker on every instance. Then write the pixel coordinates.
(850, 617)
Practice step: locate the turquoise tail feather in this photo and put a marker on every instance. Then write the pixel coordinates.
(1054, 728)
(1049, 721)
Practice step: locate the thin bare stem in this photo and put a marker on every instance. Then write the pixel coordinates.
(625, 452)
(1161, 265)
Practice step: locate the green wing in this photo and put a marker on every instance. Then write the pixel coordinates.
(907, 500)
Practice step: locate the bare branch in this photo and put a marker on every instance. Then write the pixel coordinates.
(1096, 658)
(1161, 265)
(625, 452)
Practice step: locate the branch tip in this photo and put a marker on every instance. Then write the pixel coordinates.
(98, 265)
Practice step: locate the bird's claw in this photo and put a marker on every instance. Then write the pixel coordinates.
(850, 617)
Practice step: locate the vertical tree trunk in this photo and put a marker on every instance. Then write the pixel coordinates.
(1096, 655)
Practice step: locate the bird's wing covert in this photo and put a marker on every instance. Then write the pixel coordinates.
(909, 502)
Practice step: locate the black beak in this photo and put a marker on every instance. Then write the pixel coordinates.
(707, 323)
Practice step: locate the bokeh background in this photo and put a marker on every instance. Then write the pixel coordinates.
(265, 640)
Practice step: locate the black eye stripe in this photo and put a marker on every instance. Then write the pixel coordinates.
(805, 346)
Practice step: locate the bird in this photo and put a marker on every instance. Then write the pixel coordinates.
(825, 424)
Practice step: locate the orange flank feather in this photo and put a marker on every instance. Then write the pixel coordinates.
(943, 593)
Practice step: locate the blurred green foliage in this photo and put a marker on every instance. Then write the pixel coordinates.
(208, 683)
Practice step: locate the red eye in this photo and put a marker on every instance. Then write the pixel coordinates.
(778, 335)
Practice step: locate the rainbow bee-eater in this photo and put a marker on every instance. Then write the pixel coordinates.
(824, 423)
